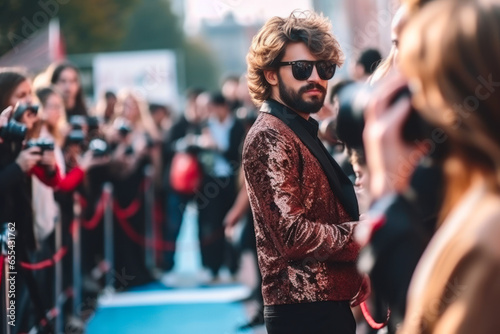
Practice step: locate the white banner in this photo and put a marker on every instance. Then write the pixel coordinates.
(150, 73)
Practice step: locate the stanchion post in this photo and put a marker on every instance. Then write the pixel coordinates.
(59, 323)
(5, 273)
(149, 202)
(108, 235)
(77, 258)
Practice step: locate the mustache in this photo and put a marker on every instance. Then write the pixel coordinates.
(312, 86)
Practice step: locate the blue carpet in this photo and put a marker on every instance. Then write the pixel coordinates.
(193, 317)
(218, 318)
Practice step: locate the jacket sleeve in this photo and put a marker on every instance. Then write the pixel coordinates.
(71, 180)
(272, 176)
(51, 180)
(473, 295)
(12, 174)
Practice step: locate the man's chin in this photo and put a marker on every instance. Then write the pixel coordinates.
(313, 106)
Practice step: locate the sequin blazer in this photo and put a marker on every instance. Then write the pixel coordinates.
(303, 207)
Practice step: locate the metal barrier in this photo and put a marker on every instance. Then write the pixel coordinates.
(77, 257)
(108, 236)
(58, 289)
(149, 223)
(78, 223)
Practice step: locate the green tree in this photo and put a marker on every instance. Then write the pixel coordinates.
(111, 25)
(87, 26)
(201, 68)
(154, 26)
(95, 25)
(18, 22)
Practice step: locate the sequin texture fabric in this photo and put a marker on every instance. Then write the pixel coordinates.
(305, 241)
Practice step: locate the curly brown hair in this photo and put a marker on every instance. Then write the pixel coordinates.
(269, 45)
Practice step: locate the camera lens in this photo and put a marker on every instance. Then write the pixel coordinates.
(13, 131)
(353, 100)
(98, 147)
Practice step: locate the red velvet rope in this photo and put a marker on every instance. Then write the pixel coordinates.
(89, 225)
(128, 211)
(93, 222)
(369, 319)
(156, 244)
(46, 263)
(141, 240)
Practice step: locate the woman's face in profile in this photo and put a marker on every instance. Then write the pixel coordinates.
(21, 94)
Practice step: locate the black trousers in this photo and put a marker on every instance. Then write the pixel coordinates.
(214, 200)
(330, 317)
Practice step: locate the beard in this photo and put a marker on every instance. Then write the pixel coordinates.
(295, 101)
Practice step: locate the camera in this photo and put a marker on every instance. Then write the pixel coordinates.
(75, 137)
(98, 147)
(123, 129)
(78, 122)
(122, 126)
(43, 143)
(22, 108)
(93, 122)
(13, 131)
(353, 101)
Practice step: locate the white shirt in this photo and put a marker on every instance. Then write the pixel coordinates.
(221, 134)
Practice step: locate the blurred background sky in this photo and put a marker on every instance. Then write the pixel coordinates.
(201, 41)
(245, 12)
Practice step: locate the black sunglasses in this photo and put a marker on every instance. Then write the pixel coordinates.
(302, 69)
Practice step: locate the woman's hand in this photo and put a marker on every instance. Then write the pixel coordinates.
(88, 160)
(28, 158)
(391, 161)
(4, 118)
(49, 160)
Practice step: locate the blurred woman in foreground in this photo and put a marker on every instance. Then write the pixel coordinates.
(449, 53)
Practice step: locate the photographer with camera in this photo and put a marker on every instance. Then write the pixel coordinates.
(131, 143)
(18, 161)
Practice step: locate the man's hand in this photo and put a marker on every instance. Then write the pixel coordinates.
(363, 293)
(28, 158)
(206, 140)
(230, 221)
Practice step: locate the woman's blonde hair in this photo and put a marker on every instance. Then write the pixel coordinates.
(269, 45)
(145, 121)
(451, 51)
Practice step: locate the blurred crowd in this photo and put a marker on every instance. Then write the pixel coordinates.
(58, 155)
(416, 132)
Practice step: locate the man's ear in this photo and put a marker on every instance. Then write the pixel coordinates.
(271, 77)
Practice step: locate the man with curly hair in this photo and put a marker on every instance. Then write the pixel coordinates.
(304, 206)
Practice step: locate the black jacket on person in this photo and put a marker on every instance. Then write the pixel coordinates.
(15, 196)
(395, 249)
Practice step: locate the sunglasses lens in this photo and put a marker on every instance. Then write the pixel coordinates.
(302, 70)
(326, 70)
